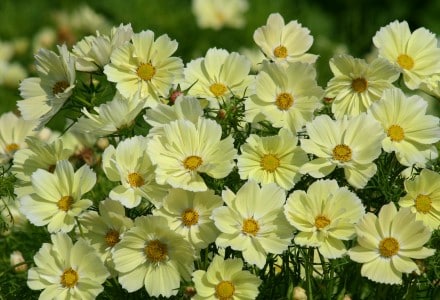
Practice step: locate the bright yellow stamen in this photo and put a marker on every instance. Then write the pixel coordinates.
(60, 87)
(395, 132)
(250, 226)
(12, 147)
(388, 247)
(342, 153)
(405, 61)
(111, 237)
(190, 217)
(156, 251)
(69, 278)
(280, 52)
(65, 203)
(359, 85)
(192, 162)
(218, 89)
(423, 203)
(224, 290)
(135, 180)
(284, 101)
(321, 221)
(146, 71)
(269, 163)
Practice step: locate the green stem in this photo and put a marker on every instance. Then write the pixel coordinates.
(309, 271)
(79, 227)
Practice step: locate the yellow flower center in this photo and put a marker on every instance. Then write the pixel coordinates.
(284, 101)
(156, 251)
(342, 153)
(12, 147)
(388, 247)
(111, 237)
(190, 217)
(224, 290)
(250, 226)
(280, 52)
(192, 162)
(65, 203)
(321, 221)
(423, 203)
(269, 163)
(135, 180)
(405, 61)
(218, 89)
(395, 132)
(69, 278)
(359, 85)
(146, 71)
(60, 87)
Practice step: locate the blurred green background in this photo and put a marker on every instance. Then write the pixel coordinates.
(337, 25)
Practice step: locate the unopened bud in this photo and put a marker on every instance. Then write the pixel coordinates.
(102, 143)
(174, 96)
(299, 293)
(17, 258)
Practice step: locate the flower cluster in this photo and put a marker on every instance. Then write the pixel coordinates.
(207, 177)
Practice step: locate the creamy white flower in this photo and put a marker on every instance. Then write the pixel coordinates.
(423, 197)
(282, 42)
(67, 271)
(357, 84)
(272, 159)
(45, 95)
(145, 66)
(387, 243)
(188, 213)
(187, 149)
(150, 254)
(324, 216)
(109, 117)
(352, 144)
(57, 199)
(93, 52)
(253, 222)
(415, 53)
(410, 132)
(13, 133)
(130, 164)
(225, 279)
(285, 95)
(218, 76)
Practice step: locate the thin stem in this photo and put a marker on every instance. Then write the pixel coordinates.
(309, 270)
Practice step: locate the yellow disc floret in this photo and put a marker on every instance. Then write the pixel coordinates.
(69, 278)
(342, 153)
(388, 247)
(146, 71)
(224, 290)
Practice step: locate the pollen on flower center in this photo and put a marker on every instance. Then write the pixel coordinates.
(284, 101)
(224, 290)
(111, 237)
(69, 278)
(388, 247)
(192, 162)
(60, 87)
(280, 52)
(359, 85)
(146, 71)
(135, 180)
(269, 162)
(250, 226)
(321, 221)
(395, 132)
(405, 61)
(342, 153)
(12, 147)
(423, 203)
(65, 203)
(218, 89)
(190, 217)
(156, 251)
